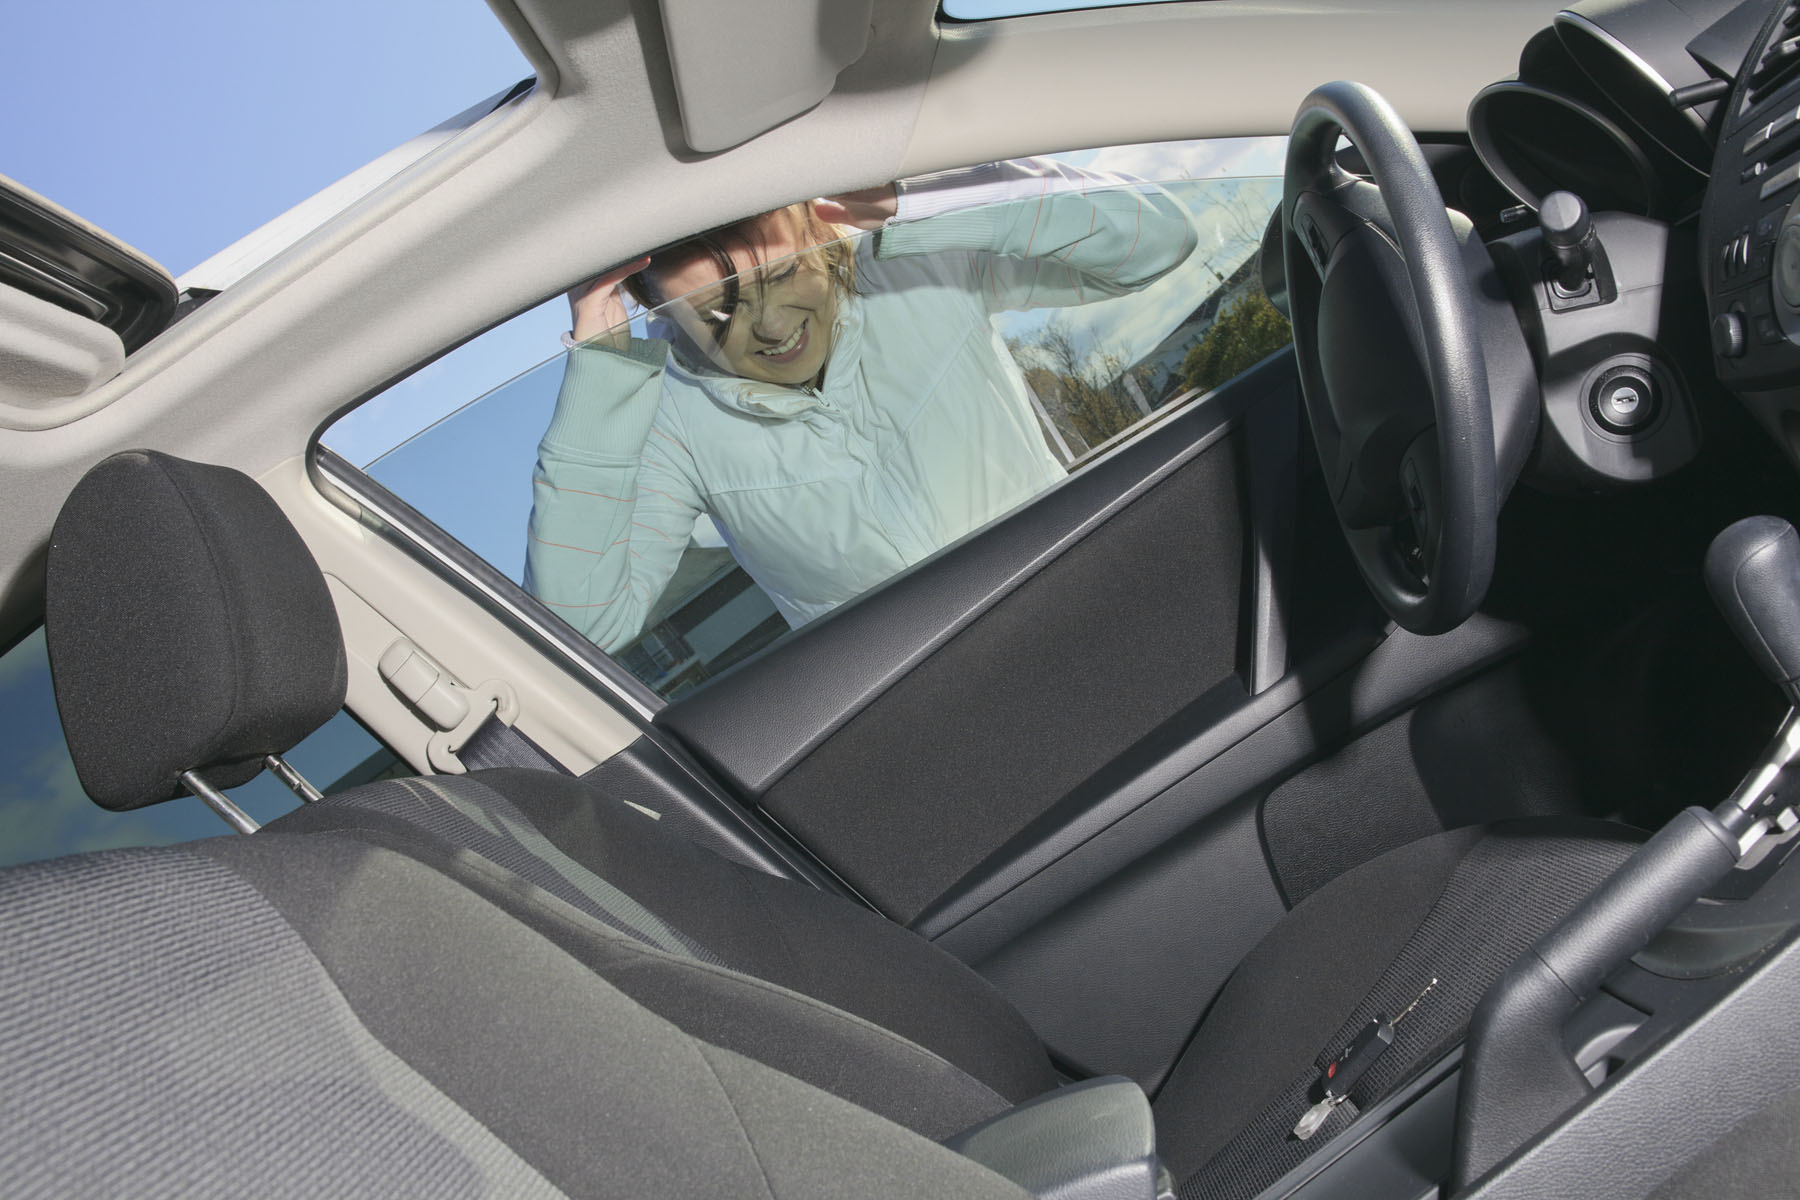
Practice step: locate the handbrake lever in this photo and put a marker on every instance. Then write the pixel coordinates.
(1517, 1077)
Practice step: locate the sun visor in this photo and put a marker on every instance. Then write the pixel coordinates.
(742, 69)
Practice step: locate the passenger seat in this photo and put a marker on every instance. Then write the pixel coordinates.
(308, 1016)
(189, 630)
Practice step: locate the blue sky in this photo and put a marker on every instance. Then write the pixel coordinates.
(180, 127)
(183, 125)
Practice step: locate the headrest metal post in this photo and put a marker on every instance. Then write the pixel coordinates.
(220, 803)
(295, 781)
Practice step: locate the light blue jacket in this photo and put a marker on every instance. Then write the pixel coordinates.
(922, 432)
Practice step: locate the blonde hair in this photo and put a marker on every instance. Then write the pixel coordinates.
(822, 244)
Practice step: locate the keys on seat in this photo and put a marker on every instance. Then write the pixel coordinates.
(1343, 1072)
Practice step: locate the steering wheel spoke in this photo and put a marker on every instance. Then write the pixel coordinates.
(1323, 217)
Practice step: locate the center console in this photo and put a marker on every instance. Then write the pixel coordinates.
(1682, 1053)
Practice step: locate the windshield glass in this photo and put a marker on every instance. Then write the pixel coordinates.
(181, 128)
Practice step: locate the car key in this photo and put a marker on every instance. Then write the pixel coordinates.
(1342, 1073)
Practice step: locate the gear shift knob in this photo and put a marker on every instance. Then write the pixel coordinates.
(1753, 572)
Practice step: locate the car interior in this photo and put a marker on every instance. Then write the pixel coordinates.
(1359, 773)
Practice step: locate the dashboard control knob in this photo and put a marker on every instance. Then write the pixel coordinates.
(1624, 400)
(1728, 335)
(1568, 230)
(1787, 266)
(1565, 219)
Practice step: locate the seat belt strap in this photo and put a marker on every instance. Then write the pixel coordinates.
(497, 744)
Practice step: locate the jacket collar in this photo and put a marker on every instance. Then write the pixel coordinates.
(758, 399)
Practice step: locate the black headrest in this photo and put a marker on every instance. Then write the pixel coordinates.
(188, 627)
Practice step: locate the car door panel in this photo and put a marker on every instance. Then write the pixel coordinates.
(757, 724)
(1094, 848)
(1113, 921)
(906, 737)
(1039, 692)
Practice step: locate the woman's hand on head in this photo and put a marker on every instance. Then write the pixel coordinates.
(866, 209)
(597, 308)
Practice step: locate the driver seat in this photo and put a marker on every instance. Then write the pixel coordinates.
(189, 629)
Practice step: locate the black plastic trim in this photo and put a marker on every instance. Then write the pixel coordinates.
(1489, 147)
(1202, 759)
(1665, 1108)
(1643, 47)
(1519, 1075)
(656, 775)
(1272, 472)
(754, 723)
(1399, 1148)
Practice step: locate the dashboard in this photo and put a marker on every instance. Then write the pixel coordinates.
(1636, 188)
(1750, 221)
(1678, 127)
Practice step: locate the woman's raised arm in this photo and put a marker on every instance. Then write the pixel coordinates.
(613, 498)
(1044, 234)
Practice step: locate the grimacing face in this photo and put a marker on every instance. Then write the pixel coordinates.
(780, 331)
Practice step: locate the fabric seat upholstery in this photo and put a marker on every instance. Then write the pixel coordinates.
(310, 1016)
(845, 982)
(802, 984)
(1456, 908)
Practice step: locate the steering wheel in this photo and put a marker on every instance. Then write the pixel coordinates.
(1388, 338)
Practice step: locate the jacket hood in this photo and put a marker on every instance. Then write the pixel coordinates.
(756, 398)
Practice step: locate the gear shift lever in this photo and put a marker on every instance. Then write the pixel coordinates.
(1753, 572)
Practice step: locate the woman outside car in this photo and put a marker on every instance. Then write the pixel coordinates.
(841, 410)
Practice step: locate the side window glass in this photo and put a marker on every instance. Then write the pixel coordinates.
(753, 427)
(45, 814)
(1102, 369)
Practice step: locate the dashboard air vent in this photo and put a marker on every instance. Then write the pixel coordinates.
(1779, 63)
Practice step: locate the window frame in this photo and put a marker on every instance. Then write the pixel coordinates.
(391, 516)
